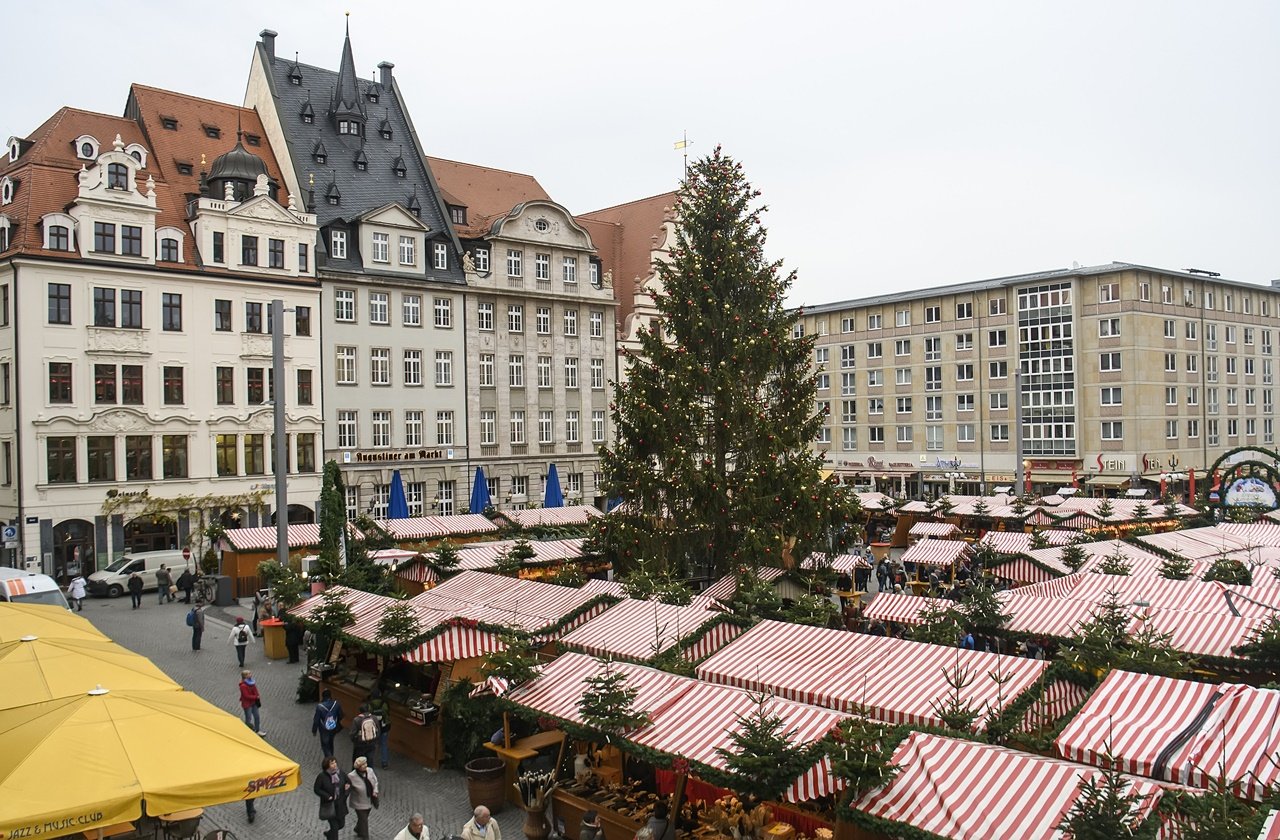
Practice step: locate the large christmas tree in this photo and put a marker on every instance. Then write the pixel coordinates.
(717, 413)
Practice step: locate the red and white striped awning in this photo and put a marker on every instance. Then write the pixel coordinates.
(900, 608)
(1056, 703)
(559, 686)
(1022, 570)
(435, 527)
(703, 718)
(360, 603)
(1021, 795)
(419, 572)
(1017, 542)
(568, 515)
(638, 630)
(305, 535)
(1271, 828)
(899, 681)
(940, 530)
(1202, 634)
(726, 587)
(1180, 731)
(456, 642)
(484, 556)
(525, 604)
(937, 552)
(596, 586)
(844, 564)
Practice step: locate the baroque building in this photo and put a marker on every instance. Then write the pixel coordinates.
(125, 243)
(391, 277)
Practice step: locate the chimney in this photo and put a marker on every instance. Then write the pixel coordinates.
(269, 42)
(384, 74)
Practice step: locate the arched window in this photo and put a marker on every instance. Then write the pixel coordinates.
(59, 238)
(117, 176)
(169, 250)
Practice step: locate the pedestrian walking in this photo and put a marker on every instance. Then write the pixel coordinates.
(240, 637)
(364, 734)
(135, 589)
(481, 826)
(195, 620)
(327, 721)
(76, 591)
(415, 830)
(164, 579)
(293, 634)
(332, 788)
(882, 576)
(364, 794)
(378, 706)
(187, 582)
(251, 702)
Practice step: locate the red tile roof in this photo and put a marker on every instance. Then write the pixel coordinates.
(487, 193)
(625, 237)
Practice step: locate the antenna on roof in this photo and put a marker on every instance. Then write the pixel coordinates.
(683, 144)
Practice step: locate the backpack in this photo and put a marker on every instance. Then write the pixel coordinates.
(368, 731)
(243, 638)
(330, 722)
(191, 618)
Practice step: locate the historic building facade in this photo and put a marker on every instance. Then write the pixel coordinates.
(1128, 374)
(392, 282)
(138, 259)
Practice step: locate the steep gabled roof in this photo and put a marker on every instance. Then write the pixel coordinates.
(485, 192)
(624, 237)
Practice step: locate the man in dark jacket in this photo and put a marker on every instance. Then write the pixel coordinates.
(197, 626)
(135, 589)
(186, 582)
(164, 579)
(293, 632)
(327, 721)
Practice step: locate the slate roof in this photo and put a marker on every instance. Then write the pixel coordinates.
(623, 236)
(360, 190)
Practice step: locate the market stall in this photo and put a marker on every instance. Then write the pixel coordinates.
(726, 587)
(933, 530)
(424, 532)
(244, 548)
(552, 516)
(639, 631)
(1180, 731)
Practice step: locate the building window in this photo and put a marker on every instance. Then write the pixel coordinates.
(444, 428)
(571, 323)
(379, 366)
(171, 312)
(544, 371)
(412, 368)
(902, 318)
(173, 456)
(444, 368)
(305, 448)
(906, 434)
(60, 458)
(168, 249)
(998, 370)
(542, 320)
(117, 176)
(597, 374)
(999, 432)
(517, 427)
(515, 318)
(443, 313)
(964, 373)
(572, 427)
(1112, 396)
(304, 387)
(344, 305)
(379, 308)
(541, 266)
(1112, 430)
(381, 248)
(1109, 362)
(275, 253)
(60, 383)
(445, 496)
(413, 428)
(253, 317)
(104, 384)
(59, 238)
(571, 372)
(256, 386)
(440, 254)
(997, 338)
(488, 427)
(248, 250)
(226, 455)
(513, 262)
(408, 251)
(222, 315)
(996, 306)
(485, 372)
(173, 382)
(595, 324)
(380, 428)
(546, 426)
(219, 247)
(484, 317)
(515, 371)
(255, 462)
(104, 238)
(965, 433)
(59, 303)
(338, 244)
(224, 385)
(411, 310)
(303, 261)
(597, 426)
(347, 430)
(570, 269)
(875, 350)
(345, 365)
(482, 259)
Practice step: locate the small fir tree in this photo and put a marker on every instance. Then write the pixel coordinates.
(1106, 808)
(333, 613)
(1262, 647)
(1019, 507)
(981, 508)
(446, 558)
(938, 623)
(333, 519)
(755, 596)
(287, 586)
(716, 415)
(953, 708)
(944, 506)
(860, 752)
(398, 626)
(1073, 556)
(982, 608)
(1215, 814)
(569, 573)
(1171, 508)
(646, 583)
(1176, 567)
(763, 755)
(1229, 570)
(1141, 511)
(1105, 510)
(516, 663)
(1115, 563)
(607, 704)
(813, 610)
(1038, 539)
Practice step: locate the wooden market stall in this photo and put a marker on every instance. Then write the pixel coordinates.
(639, 631)
(1180, 731)
(930, 554)
(244, 548)
(425, 532)
(726, 587)
(566, 515)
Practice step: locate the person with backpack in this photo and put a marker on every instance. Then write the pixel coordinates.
(327, 721)
(364, 734)
(381, 711)
(195, 620)
(240, 637)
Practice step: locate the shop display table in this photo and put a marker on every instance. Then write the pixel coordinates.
(520, 750)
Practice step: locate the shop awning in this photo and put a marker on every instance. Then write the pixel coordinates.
(937, 552)
(900, 608)
(564, 515)
(305, 535)
(1021, 570)
(1271, 828)
(638, 630)
(1136, 492)
(726, 587)
(1006, 488)
(559, 687)
(1108, 480)
(456, 642)
(900, 681)
(434, 527)
(1023, 795)
(1179, 731)
(1018, 542)
(841, 563)
(941, 530)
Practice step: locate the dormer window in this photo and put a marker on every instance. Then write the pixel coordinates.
(398, 167)
(212, 132)
(14, 150)
(308, 113)
(319, 154)
(414, 207)
(295, 75)
(333, 196)
(138, 153)
(385, 131)
(185, 169)
(86, 147)
(169, 123)
(372, 94)
(59, 238)
(6, 190)
(362, 162)
(349, 127)
(117, 176)
(308, 118)
(457, 215)
(253, 139)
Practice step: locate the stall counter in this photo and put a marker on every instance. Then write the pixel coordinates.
(411, 738)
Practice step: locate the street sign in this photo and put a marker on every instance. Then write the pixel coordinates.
(10, 533)
(186, 553)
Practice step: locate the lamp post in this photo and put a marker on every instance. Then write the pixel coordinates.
(281, 448)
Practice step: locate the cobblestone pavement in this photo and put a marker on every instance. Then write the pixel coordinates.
(160, 633)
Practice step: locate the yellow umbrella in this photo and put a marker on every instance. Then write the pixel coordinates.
(34, 670)
(44, 620)
(79, 763)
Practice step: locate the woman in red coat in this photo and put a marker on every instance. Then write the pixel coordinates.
(250, 702)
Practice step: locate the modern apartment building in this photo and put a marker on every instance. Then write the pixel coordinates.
(392, 283)
(138, 259)
(1127, 373)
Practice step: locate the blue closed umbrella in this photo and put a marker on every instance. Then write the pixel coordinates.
(397, 504)
(552, 496)
(480, 500)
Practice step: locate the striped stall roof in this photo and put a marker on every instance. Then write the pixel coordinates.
(568, 515)
(484, 556)
(720, 634)
(432, 527)
(526, 604)
(874, 501)
(937, 552)
(1198, 543)
(841, 563)
(1022, 795)
(560, 684)
(900, 608)
(1055, 704)
(1017, 542)
(1122, 510)
(1047, 616)
(940, 530)
(1254, 533)
(1202, 634)
(418, 572)
(596, 586)
(1180, 731)
(264, 539)
(1022, 570)
(704, 717)
(457, 642)
(726, 587)
(1141, 563)
(1271, 827)
(897, 680)
(637, 630)
(360, 602)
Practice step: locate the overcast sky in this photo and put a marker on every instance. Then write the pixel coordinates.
(897, 144)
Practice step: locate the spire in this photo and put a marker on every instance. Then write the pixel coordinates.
(347, 102)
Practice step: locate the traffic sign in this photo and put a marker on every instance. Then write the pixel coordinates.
(186, 553)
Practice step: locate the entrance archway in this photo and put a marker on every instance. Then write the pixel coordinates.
(73, 549)
(150, 534)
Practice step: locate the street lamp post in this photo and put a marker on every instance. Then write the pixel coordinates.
(281, 447)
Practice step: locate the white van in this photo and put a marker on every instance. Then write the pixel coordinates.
(19, 587)
(113, 581)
